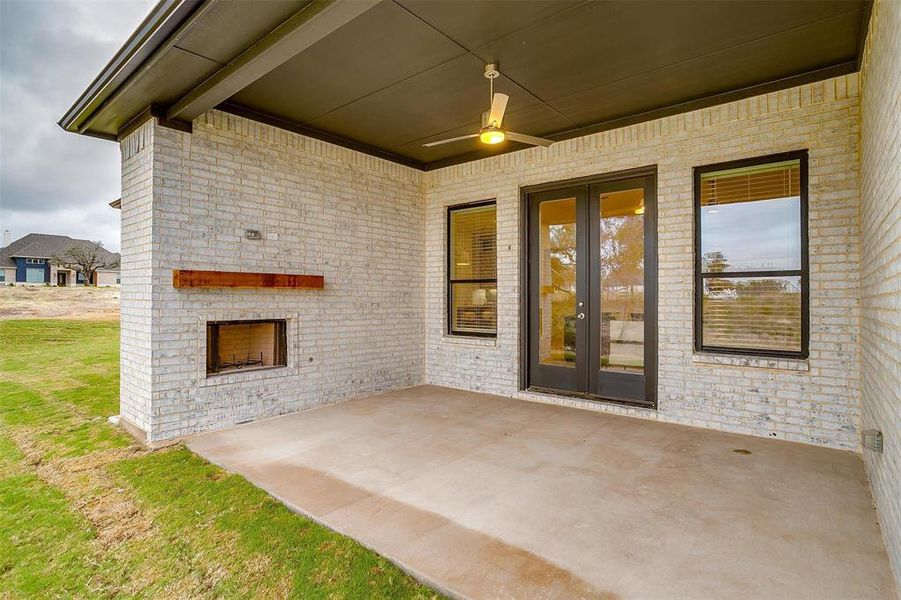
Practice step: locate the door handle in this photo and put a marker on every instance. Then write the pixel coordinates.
(580, 316)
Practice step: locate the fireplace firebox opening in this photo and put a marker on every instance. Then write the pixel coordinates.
(233, 346)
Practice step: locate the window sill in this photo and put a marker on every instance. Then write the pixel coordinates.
(754, 362)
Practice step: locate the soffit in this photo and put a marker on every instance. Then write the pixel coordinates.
(410, 72)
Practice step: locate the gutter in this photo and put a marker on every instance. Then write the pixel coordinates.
(153, 31)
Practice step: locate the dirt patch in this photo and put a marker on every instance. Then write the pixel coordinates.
(39, 302)
(119, 522)
(85, 483)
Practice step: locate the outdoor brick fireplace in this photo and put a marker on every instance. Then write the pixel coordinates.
(245, 345)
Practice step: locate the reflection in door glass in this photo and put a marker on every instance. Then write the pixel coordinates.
(557, 283)
(622, 281)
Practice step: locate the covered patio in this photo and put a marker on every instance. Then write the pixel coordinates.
(685, 212)
(484, 496)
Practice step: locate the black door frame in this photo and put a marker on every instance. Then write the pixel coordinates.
(651, 272)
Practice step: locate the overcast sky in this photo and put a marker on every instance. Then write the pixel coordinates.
(52, 181)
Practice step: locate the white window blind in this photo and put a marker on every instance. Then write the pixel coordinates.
(751, 266)
(754, 313)
(747, 184)
(472, 270)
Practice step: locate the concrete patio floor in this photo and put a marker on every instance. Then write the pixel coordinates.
(489, 497)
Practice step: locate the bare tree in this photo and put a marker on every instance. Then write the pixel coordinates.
(86, 259)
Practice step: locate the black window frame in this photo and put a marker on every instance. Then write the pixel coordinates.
(449, 295)
(803, 272)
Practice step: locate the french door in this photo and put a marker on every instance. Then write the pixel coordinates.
(592, 327)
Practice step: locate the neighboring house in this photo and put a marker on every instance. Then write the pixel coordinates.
(711, 240)
(27, 261)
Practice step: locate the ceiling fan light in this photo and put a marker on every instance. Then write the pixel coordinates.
(491, 135)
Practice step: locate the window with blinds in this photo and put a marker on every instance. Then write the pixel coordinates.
(472, 270)
(751, 256)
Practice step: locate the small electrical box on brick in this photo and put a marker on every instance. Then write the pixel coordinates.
(872, 440)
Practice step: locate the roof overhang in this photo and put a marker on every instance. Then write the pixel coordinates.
(150, 35)
(385, 76)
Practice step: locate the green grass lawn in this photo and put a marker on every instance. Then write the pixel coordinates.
(86, 512)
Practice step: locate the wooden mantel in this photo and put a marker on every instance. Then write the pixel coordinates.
(182, 278)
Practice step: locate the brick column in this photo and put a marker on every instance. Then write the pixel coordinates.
(136, 271)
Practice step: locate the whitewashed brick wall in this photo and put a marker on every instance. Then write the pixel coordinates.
(814, 401)
(321, 209)
(880, 264)
(376, 231)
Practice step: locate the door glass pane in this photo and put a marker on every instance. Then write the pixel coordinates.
(557, 283)
(622, 281)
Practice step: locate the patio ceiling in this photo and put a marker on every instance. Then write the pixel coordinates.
(387, 76)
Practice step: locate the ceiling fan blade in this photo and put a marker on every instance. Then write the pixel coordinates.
(498, 106)
(449, 140)
(528, 139)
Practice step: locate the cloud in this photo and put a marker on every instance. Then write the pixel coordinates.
(52, 181)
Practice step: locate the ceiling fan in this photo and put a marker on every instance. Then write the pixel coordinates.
(491, 132)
